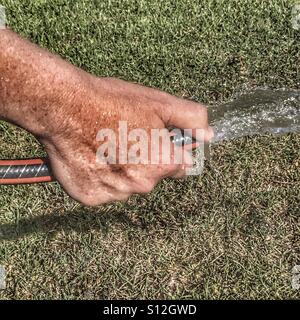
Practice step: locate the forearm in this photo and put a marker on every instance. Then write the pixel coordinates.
(34, 83)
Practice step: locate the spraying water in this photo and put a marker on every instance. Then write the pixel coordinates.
(257, 111)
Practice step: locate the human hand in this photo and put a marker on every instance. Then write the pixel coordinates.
(71, 142)
(65, 107)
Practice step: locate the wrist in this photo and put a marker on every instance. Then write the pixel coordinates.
(50, 111)
(38, 90)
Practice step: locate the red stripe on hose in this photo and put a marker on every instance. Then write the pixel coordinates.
(26, 180)
(22, 162)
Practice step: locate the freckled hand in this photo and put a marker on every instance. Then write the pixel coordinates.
(28, 171)
(65, 108)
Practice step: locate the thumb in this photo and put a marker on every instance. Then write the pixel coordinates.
(186, 114)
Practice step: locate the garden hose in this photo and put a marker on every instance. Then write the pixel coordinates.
(29, 171)
(24, 171)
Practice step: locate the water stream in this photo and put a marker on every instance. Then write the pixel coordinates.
(257, 111)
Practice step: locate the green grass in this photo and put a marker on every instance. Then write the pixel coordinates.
(233, 232)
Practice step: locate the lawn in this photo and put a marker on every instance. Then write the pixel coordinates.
(234, 231)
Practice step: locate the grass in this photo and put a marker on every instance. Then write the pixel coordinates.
(233, 232)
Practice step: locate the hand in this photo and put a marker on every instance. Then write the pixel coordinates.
(65, 107)
(71, 142)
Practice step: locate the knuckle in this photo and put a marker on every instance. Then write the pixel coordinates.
(90, 201)
(92, 198)
(169, 170)
(123, 197)
(145, 186)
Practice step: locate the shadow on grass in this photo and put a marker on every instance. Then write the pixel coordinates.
(82, 220)
(141, 213)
